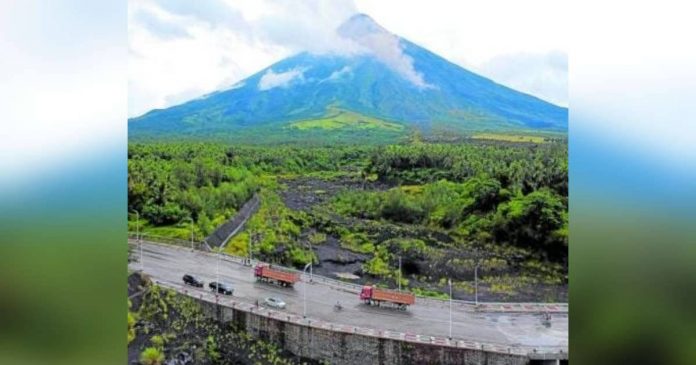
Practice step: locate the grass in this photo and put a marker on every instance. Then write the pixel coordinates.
(412, 189)
(510, 137)
(429, 293)
(347, 120)
(183, 233)
(357, 242)
(238, 245)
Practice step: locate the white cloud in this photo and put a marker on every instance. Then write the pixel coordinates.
(544, 75)
(384, 45)
(305, 25)
(158, 25)
(270, 79)
(338, 74)
(210, 57)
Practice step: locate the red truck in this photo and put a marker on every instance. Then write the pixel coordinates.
(375, 296)
(268, 274)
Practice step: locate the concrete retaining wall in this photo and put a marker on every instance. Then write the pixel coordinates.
(338, 346)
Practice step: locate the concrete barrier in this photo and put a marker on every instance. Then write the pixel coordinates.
(342, 344)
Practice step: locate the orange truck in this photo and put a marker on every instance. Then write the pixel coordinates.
(375, 296)
(268, 274)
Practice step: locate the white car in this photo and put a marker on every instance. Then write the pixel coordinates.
(274, 302)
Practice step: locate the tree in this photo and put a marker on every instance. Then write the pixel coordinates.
(533, 220)
(484, 191)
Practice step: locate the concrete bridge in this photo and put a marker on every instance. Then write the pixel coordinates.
(359, 333)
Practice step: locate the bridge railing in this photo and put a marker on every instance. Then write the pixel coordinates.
(355, 288)
(197, 245)
(550, 352)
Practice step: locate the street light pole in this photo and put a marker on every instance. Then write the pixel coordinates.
(449, 281)
(311, 260)
(191, 219)
(142, 263)
(191, 234)
(137, 225)
(304, 311)
(399, 273)
(250, 238)
(476, 283)
(137, 237)
(217, 272)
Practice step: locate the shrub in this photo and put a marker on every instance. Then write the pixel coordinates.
(151, 356)
(157, 341)
(317, 238)
(131, 326)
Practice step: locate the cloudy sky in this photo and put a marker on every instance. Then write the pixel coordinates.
(180, 49)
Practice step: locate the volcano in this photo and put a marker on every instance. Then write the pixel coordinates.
(379, 85)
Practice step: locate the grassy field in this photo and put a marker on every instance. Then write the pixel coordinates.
(510, 137)
(349, 120)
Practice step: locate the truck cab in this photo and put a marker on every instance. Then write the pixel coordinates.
(366, 292)
(258, 270)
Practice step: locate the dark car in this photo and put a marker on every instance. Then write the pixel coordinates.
(222, 288)
(193, 281)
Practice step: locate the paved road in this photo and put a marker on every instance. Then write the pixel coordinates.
(169, 263)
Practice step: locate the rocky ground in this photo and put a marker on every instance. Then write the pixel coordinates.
(506, 282)
(333, 259)
(305, 193)
(175, 329)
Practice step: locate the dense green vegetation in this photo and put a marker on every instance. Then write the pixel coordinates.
(170, 183)
(479, 210)
(524, 167)
(443, 207)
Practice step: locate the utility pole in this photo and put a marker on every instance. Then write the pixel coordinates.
(399, 273)
(304, 311)
(449, 281)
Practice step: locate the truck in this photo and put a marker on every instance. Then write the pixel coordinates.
(266, 273)
(372, 295)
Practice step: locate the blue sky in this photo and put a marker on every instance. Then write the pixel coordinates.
(182, 49)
